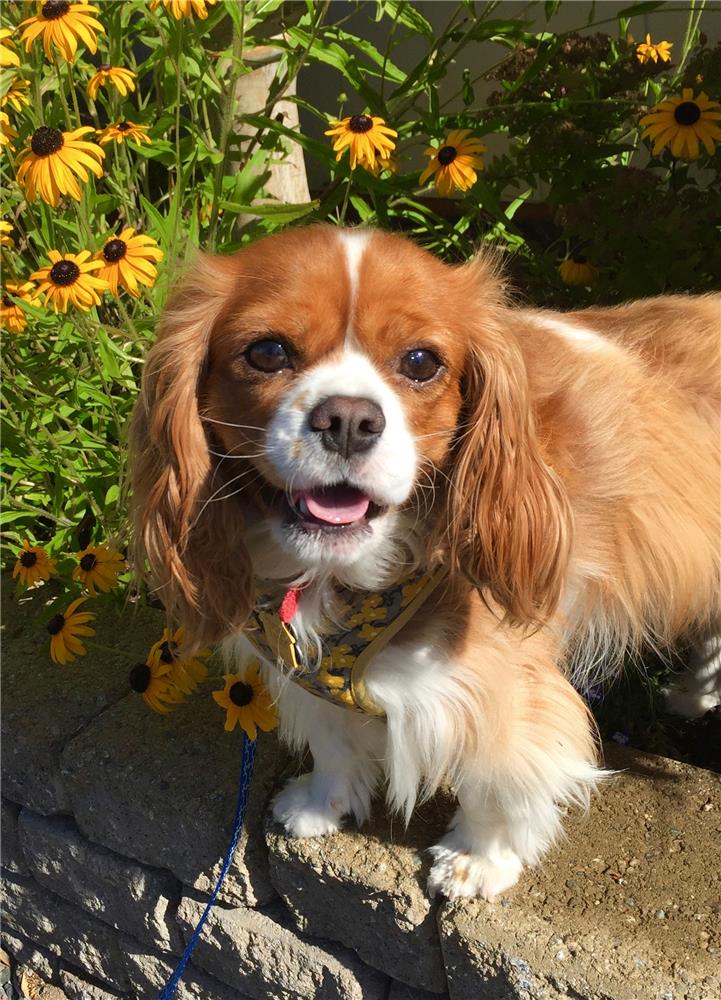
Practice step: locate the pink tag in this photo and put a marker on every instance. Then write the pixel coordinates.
(289, 605)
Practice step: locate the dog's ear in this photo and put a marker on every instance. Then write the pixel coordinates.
(508, 521)
(193, 550)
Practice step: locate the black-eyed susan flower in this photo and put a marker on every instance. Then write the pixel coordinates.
(680, 122)
(99, 567)
(16, 95)
(184, 671)
(61, 24)
(68, 281)
(152, 680)
(185, 8)
(576, 270)
(6, 239)
(65, 629)
(247, 703)
(47, 164)
(33, 564)
(128, 260)
(8, 57)
(453, 165)
(648, 52)
(12, 316)
(7, 132)
(122, 79)
(366, 136)
(124, 130)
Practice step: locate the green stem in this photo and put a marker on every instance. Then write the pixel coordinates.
(226, 124)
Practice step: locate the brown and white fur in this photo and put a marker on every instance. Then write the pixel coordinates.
(565, 467)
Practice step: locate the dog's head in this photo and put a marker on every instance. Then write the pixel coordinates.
(322, 402)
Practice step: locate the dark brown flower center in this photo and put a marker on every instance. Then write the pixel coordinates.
(446, 155)
(123, 126)
(7, 301)
(114, 250)
(360, 123)
(55, 8)
(687, 113)
(168, 652)
(28, 559)
(88, 562)
(65, 272)
(56, 624)
(104, 67)
(241, 694)
(46, 141)
(139, 678)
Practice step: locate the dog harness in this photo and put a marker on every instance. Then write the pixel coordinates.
(368, 623)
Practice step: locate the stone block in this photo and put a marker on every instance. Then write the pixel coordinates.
(367, 889)
(127, 895)
(76, 988)
(13, 859)
(259, 954)
(29, 954)
(45, 705)
(628, 907)
(148, 971)
(65, 930)
(162, 789)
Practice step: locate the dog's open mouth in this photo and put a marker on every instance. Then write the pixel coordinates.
(339, 508)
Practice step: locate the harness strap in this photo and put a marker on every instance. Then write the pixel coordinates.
(357, 677)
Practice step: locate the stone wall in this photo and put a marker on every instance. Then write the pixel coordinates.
(115, 820)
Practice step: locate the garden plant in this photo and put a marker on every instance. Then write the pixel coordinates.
(589, 157)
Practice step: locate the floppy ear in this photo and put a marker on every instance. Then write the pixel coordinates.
(197, 561)
(509, 521)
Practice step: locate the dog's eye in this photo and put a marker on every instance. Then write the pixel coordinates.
(267, 356)
(420, 365)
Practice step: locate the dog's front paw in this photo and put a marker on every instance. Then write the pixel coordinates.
(690, 704)
(306, 811)
(456, 873)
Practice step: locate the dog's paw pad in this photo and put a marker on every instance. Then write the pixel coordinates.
(304, 814)
(456, 874)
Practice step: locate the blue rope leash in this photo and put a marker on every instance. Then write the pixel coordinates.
(246, 774)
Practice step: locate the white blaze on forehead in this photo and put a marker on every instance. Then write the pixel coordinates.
(354, 243)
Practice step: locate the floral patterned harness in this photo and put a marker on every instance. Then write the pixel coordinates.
(369, 622)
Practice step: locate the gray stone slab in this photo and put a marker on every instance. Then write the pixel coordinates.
(65, 930)
(148, 971)
(28, 954)
(11, 853)
(162, 789)
(628, 907)
(127, 895)
(261, 955)
(77, 988)
(367, 889)
(45, 705)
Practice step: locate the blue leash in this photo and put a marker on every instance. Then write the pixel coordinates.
(246, 774)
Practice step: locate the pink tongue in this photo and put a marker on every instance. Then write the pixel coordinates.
(337, 504)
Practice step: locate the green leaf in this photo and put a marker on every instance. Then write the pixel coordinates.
(278, 213)
(406, 14)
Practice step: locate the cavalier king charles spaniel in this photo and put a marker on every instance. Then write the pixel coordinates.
(333, 422)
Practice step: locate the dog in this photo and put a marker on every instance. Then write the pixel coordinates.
(348, 453)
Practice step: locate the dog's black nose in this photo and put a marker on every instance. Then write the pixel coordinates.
(347, 424)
